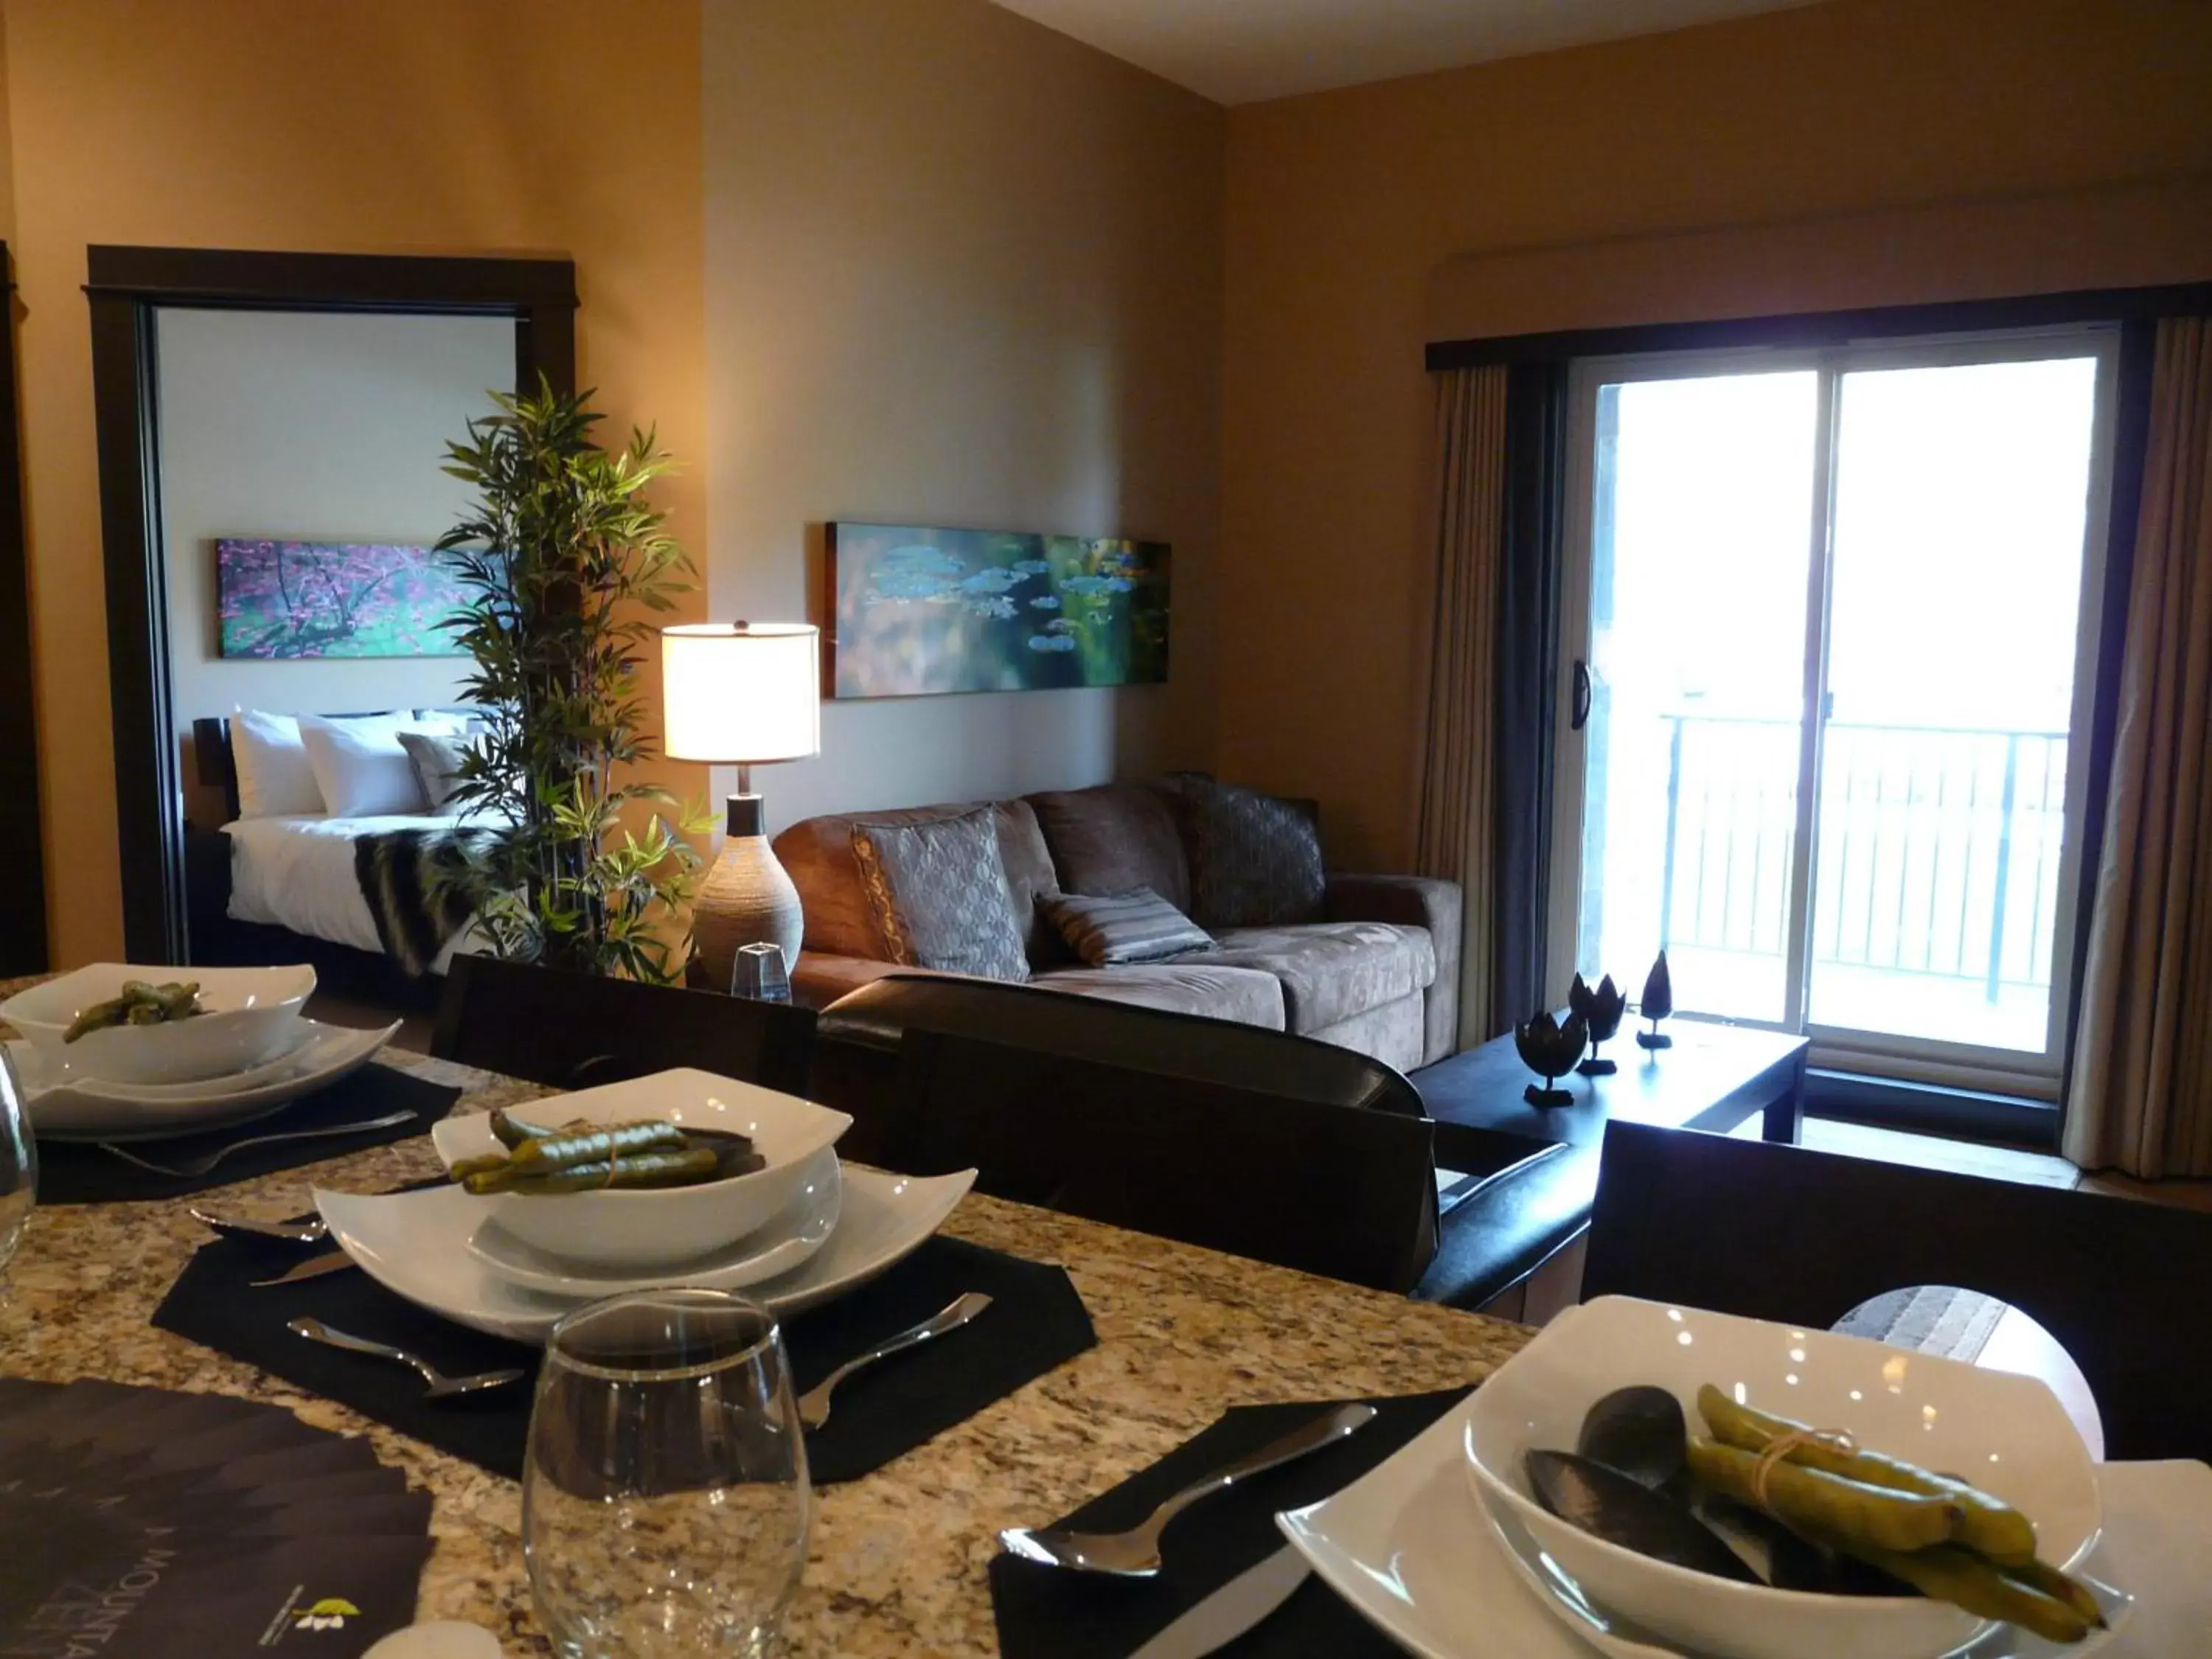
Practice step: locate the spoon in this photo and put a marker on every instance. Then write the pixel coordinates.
(1136, 1554)
(814, 1404)
(442, 1386)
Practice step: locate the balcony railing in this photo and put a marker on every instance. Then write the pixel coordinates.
(1938, 846)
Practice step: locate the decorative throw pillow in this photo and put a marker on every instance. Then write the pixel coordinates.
(938, 894)
(1254, 859)
(1133, 927)
(436, 760)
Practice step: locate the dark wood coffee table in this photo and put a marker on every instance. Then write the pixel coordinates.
(1714, 1077)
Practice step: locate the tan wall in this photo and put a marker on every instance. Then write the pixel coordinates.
(962, 271)
(1345, 209)
(545, 127)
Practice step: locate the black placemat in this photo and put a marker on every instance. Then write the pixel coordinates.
(70, 1172)
(1035, 1322)
(1050, 1612)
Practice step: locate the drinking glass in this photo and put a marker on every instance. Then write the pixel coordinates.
(665, 1503)
(758, 972)
(19, 1163)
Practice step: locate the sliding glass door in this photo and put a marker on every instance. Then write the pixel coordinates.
(1828, 622)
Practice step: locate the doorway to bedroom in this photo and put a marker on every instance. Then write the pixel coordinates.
(273, 428)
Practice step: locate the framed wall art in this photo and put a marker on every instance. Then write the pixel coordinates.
(335, 600)
(916, 612)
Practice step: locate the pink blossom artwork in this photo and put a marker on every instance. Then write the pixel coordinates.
(335, 600)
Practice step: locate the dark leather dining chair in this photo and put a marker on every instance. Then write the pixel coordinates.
(1310, 1184)
(1783, 1233)
(1514, 1204)
(578, 1030)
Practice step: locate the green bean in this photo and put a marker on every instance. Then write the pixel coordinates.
(2042, 1576)
(1953, 1573)
(140, 1004)
(98, 1017)
(642, 1170)
(1809, 1500)
(1987, 1524)
(513, 1131)
(616, 1142)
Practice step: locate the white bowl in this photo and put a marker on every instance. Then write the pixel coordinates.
(249, 1015)
(787, 1242)
(2008, 1434)
(656, 1227)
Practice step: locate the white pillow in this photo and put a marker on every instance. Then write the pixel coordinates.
(359, 768)
(274, 777)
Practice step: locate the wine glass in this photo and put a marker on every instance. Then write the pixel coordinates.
(666, 1504)
(19, 1163)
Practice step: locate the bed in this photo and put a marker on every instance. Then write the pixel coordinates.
(300, 873)
(294, 887)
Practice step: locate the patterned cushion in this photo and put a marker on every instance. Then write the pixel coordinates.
(1136, 927)
(940, 895)
(1254, 859)
(436, 759)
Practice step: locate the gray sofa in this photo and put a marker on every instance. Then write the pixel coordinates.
(1377, 972)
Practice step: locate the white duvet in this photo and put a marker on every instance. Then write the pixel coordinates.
(297, 872)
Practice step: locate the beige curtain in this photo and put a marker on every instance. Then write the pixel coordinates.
(1458, 665)
(2142, 1094)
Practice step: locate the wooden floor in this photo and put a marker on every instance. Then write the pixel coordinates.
(334, 1008)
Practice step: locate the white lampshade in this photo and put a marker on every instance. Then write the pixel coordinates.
(741, 693)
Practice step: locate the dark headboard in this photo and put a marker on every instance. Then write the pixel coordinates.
(216, 768)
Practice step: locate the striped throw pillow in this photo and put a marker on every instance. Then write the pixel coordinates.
(1133, 927)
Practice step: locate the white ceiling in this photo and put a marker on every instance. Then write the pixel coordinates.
(1239, 52)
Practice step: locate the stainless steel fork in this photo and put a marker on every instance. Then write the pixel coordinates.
(192, 1168)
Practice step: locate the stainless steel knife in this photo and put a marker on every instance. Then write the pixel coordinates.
(1231, 1610)
(329, 1261)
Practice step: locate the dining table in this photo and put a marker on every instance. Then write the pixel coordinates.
(898, 1559)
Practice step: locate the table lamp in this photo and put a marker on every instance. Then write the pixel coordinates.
(742, 694)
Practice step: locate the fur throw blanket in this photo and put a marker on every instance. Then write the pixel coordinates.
(415, 912)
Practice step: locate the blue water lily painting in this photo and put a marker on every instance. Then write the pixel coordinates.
(920, 611)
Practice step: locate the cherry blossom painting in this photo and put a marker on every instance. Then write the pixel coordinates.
(920, 611)
(335, 600)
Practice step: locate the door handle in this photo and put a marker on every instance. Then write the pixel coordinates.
(1579, 716)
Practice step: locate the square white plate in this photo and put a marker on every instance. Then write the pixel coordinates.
(1410, 1548)
(415, 1244)
(87, 1111)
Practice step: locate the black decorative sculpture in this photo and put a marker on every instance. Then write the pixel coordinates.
(1550, 1049)
(1600, 1009)
(1658, 1002)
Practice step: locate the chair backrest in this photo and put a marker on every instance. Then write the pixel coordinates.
(1326, 1187)
(1779, 1232)
(577, 1031)
(1101, 1028)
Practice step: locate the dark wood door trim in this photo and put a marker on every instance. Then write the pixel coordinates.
(126, 287)
(1817, 328)
(22, 855)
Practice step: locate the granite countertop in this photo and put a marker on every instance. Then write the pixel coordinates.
(898, 1559)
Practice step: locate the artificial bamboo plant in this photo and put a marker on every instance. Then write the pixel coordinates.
(560, 555)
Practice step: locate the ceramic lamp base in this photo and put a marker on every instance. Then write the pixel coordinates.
(746, 899)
